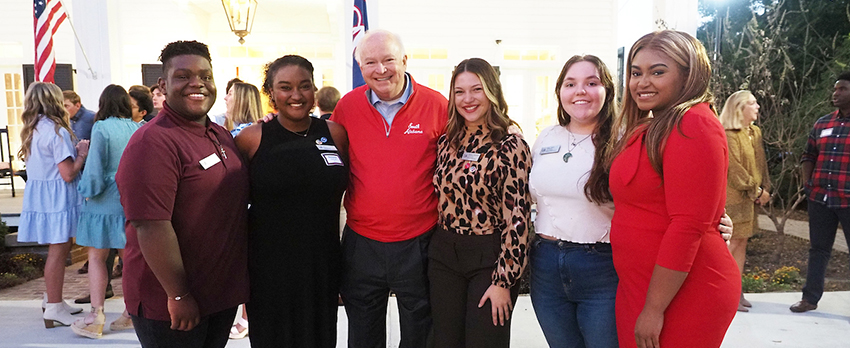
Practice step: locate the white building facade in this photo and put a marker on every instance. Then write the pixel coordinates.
(527, 40)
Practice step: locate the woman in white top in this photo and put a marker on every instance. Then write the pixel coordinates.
(573, 281)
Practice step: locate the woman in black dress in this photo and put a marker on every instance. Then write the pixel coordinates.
(299, 172)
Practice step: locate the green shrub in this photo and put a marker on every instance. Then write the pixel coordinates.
(9, 280)
(17, 269)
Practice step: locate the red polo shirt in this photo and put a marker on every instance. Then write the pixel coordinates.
(163, 176)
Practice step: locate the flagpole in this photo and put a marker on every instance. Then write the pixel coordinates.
(82, 49)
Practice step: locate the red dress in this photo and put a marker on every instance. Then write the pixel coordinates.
(673, 223)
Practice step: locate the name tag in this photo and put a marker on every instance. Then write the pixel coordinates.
(470, 156)
(326, 147)
(209, 161)
(826, 132)
(550, 149)
(332, 159)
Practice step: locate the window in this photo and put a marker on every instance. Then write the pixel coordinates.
(13, 86)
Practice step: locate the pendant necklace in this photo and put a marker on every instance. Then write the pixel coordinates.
(574, 143)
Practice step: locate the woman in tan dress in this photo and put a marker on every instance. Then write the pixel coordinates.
(748, 182)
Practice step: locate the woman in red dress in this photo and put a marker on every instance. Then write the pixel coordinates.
(679, 286)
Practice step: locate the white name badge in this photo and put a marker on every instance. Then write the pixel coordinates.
(332, 159)
(470, 156)
(550, 149)
(209, 161)
(826, 132)
(326, 147)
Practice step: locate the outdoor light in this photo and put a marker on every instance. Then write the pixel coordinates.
(240, 16)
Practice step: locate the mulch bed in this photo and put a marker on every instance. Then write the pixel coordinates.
(794, 251)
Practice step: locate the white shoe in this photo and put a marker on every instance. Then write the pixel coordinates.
(56, 314)
(235, 334)
(69, 308)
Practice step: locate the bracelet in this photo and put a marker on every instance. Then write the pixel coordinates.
(179, 298)
(760, 191)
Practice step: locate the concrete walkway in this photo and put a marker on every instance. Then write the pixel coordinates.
(768, 324)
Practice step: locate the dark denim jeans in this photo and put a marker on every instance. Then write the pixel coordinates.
(573, 288)
(823, 224)
(212, 332)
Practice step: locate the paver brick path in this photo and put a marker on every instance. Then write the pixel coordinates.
(76, 286)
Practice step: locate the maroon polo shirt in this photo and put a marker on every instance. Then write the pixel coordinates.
(163, 176)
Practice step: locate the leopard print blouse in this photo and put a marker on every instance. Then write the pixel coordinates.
(487, 195)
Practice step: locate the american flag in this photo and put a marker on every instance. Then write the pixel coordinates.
(358, 29)
(47, 16)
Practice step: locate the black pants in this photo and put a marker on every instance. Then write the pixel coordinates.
(823, 225)
(460, 269)
(212, 332)
(371, 269)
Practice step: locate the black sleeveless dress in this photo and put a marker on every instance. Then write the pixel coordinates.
(294, 255)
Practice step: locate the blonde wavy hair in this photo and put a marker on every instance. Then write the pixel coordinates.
(42, 99)
(247, 106)
(732, 116)
(692, 60)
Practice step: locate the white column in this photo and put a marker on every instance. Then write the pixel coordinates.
(91, 20)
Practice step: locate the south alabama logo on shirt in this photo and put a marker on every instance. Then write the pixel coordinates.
(413, 129)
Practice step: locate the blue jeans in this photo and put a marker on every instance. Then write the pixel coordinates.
(573, 288)
(823, 224)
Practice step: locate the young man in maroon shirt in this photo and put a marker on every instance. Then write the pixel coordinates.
(184, 189)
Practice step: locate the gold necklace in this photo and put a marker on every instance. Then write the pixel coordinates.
(303, 133)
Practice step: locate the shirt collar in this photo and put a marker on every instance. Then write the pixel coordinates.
(408, 89)
(190, 126)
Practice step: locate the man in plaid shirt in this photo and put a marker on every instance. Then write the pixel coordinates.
(826, 171)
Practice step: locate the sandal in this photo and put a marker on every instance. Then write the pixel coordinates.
(92, 325)
(235, 334)
(122, 323)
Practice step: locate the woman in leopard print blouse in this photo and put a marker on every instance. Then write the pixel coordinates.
(478, 252)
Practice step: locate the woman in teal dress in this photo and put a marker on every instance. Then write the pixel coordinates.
(101, 225)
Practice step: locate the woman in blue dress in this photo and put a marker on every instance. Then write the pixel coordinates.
(51, 202)
(101, 225)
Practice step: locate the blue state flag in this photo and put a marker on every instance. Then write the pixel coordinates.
(358, 29)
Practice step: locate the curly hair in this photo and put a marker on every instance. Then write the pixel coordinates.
(42, 99)
(179, 48)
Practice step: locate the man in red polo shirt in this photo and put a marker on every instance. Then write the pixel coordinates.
(393, 124)
(184, 190)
